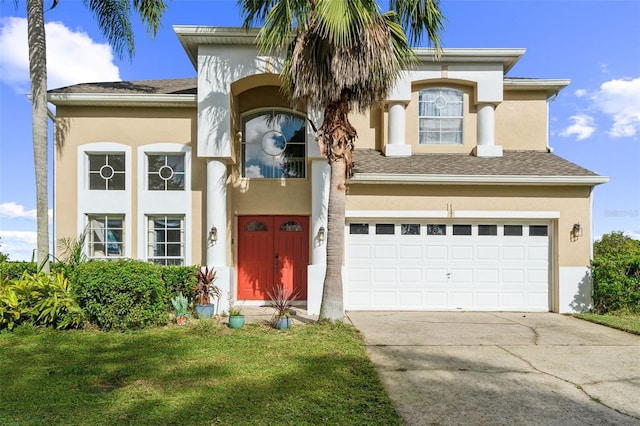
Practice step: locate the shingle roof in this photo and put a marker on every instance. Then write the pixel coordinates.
(513, 163)
(178, 86)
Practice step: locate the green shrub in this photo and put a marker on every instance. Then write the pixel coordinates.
(15, 270)
(40, 300)
(179, 279)
(615, 271)
(616, 283)
(125, 294)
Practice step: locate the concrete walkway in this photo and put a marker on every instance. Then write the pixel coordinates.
(463, 368)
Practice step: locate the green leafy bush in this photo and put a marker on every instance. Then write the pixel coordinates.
(179, 279)
(616, 274)
(39, 299)
(15, 270)
(125, 294)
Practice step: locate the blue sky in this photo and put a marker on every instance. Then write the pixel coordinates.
(595, 122)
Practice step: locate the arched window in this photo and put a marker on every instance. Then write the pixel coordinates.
(440, 114)
(274, 145)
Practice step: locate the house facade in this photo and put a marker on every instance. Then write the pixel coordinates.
(457, 201)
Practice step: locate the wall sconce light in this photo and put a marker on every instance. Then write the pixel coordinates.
(576, 231)
(322, 233)
(213, 235)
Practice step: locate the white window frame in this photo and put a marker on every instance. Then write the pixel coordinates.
(92, 218)
(423, 135)
(166, 181)
(243, 142)
(151, 239)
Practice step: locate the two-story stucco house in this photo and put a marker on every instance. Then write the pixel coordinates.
(457, 202)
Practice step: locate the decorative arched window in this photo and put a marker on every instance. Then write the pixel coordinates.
(440, 115)
(274, 145)
(256, 226)
(291, 226)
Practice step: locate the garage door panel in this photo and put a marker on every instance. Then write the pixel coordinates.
(384, 275)
(385, 252)
(461, 300)
(487, 300)
(436, 299)
(410, 252)
(359, 251)
(436, 252)
(410, 275)
(462, 253)
(488, 252)
(511, 252)
(493, 271)
(360, 276)
(513, 299)
(488, 276)
(538, 253)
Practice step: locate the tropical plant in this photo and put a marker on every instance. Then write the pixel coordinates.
(39, 299)
(180, 303)
(206, 289)
(234, 311)
(341, 55)
(281, 301)
(114, 20)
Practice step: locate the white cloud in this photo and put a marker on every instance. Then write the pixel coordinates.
(12, 210)
(16, 211)
(583, 126)
(19, 245)
(620, 99)
(72, 56)
(580, 93)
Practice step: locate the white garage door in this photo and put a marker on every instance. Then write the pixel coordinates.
(439, 265)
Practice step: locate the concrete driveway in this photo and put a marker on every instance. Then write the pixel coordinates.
(463, 368)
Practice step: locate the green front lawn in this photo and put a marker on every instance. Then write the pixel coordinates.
(200, 374)
(625, 322)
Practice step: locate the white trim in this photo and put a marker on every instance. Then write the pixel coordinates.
(99, 202)
(119, 99)
(477, 180)
(396, 213)
(507, 214)
(164, 203)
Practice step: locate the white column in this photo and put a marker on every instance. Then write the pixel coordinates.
(396, 145)
(486, 132)
(320, 173)
(217, 218)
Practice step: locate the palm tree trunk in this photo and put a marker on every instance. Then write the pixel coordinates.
(332, 306)
(336, 140)
(38, 74)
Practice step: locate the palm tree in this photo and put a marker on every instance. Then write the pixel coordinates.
(114, 20)
(340, 55)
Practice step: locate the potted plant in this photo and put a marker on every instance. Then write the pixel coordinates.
(282, 303)
(236, 317)
(205, 291)
(181, 306)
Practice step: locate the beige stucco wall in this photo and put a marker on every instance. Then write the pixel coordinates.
(521, 121)
(135, 127)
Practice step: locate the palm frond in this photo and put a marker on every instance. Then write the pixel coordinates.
(418, 16)
(114, 20)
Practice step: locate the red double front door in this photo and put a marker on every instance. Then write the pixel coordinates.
(272, 249)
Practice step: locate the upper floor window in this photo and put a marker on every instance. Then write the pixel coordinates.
(274, 145)
(106, 236)
(107, 171)
(440, 111)
(165, 172)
